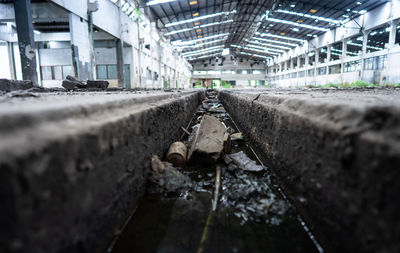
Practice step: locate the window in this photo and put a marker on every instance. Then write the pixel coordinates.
(352, 66)
(354, 46)
(302, 61)
(378, 38)
(46, 73)
(369, 64)
(323, 54)
(336, 51)
(311, 72)
(105, 72)
(56, 72)
(287, 76)
(101, 72)
(294, 75)
(335, 69)
(67, 71)
(302, 74)
(321, 71)
(398, 34)
(294, 60)
(258, 71)
(311, 58)
(213, 72)
(381, 62)
(112, 72)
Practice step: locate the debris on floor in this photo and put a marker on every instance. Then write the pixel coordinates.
(229, 205)
(245, 163)
(237, 136)
(177, 154)
(97, 84)
(14, 85)
(165, 179)
(72, 83)
(208, 142)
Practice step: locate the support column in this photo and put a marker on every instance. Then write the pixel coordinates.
(26, 41)
(363, 52)
(11, 60)
(120, 63)
(80, 47)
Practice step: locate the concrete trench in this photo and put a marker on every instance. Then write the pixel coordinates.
(73, 165)
(336, 155)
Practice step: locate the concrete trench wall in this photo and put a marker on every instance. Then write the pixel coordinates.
(337, 161)
(70, 176)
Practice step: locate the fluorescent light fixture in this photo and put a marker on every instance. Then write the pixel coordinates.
(200, 18)
(277, 42)
(154, 2)
(201, 44)
(198, 26)
(329, 20)
(255, 49)
(36, 32)
(280, 37)
(192, 42)
(313, 27)
(202, 51)
(203, 56)
(266, 49)
(268, 45)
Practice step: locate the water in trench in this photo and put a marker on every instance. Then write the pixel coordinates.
(251, 213)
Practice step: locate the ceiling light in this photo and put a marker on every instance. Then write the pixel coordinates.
(191, 42)
(198, 26)
(195, 14)
(319, 18)
(154, 2)
(192, 2)
(297, 24)
(200, 18)
(279, 37)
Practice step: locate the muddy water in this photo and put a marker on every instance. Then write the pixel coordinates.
(252, 215)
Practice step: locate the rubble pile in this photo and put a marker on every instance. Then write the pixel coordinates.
(213, 141)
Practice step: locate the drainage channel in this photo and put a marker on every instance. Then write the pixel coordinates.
(223, 208)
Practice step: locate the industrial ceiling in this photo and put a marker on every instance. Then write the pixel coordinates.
(201, 29)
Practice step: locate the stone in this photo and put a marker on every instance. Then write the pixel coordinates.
(245, 163)
(97, 84)
(237, 136)
(13, 85)
(208, 142)
(70, 85)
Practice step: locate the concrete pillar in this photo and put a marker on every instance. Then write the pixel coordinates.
(119, 45)
(291, 63)
(306, 60)
(80, 46)
(363, 52)
(317, 57)
(393, 31)
(11, 60)
(328, 54)
(298, 61)
(344, 48)
(26, 41)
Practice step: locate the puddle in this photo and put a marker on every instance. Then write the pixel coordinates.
(251, 214)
